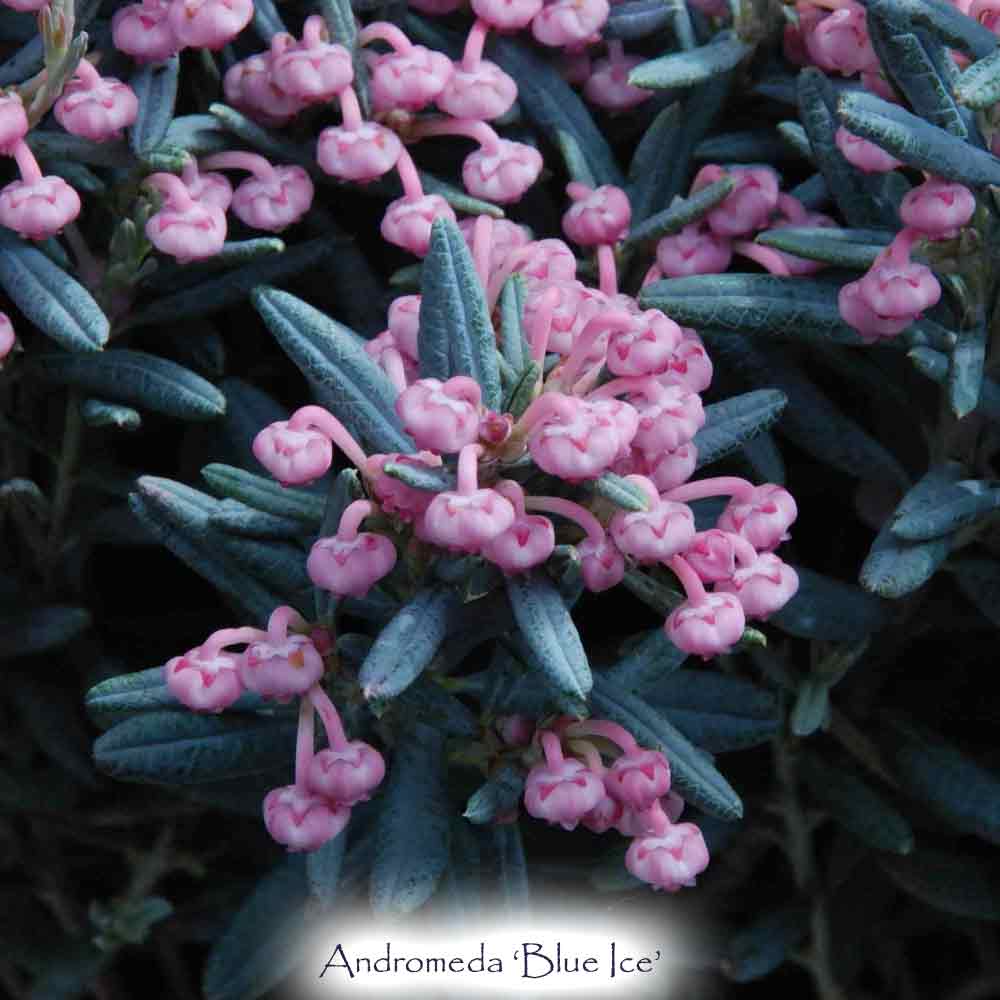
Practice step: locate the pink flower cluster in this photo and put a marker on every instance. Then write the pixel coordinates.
(279, 665)
(154, 30)
(8, 338)
(639, 424)
(191, 221)
(569, 785)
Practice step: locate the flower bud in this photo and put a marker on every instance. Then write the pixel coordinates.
(301, 821)
(669, 861)
(346, 775)
(294, 457)
(563, 793)
(708, 627)
(281, 670)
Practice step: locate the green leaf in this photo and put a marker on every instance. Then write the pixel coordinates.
(412, 839)
(264, 941)
(853, 192)
(936, 366)
(979, 86)
(170, 276)
(522, 393)
(916, 142)
(895, 567)
(734, 421)
(947, 781)
(323, 868)
(951, 26)
(282, 567)
(98, 413)
(654, 594)
(760, 947)
(264, 494)
(694, 775)
(619, 491)
(553, 105)
(155, 86)
(500, 793)
(750, 146)
(965, 370)
(848, 248)
(715, 712)
(576, 163)
(979, 580)
(236, 518)
(426, 701)
(181, 748)
(688, 69)
(957, 884)
(812, 707)
(548, 630)
(344, 377)
(136, 378)
(40, 629)
(54, 302)
(456, 335)
(420, 477)
(953, 507)
(513, 345)
(754, 304)
(199, 135)
(681, 213)
(406, 645)
(653, 657)
(829, 610)
(220, 293)
(635, 19)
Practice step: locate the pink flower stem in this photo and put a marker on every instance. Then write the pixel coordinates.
(552, 748)
(589, 753)
(224, 637)
(512, 491)
(791, 208)
(689, 579)
(901, 247)
(304, 743)
(482, 243)
(578, 191)
(468, 127)
(549, 404)
(616, 52)
(281, 618)
(768, 258)
(608, 281)
(541, 327)
(475, 42)
(350, 108)
(645, 385)
(314, 31)
(27, 165)
(173, 189)
(653, 274)
(745, 553)
(659, 819)
(408, 176)
(385, 32)
(87, 74)
(90, 268)
(256, 165)
(618, 735)
(571, 511)
(328, 424)
(329, 717)
(613, 319)
(468, 469)
(351, 519)
(717, 486)
(392, 365)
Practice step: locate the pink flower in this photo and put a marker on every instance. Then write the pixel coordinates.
(294, 457)
(896, 287)
(671, 860)
(707, 627)
(407, 221)
(350, 567)
(937, 209)
(637, 779)
(597, 216)
(651, 536)
(763, 587)
(465, 522)
(13, 122)
(204, 684)
(646, 348)
(606, 815)
(211, 189)
(404, 323)
(690, 365)
(38, 209)
(986, 12)
(562, 792)
(580, 441)
(301, 821)
(208, 24)
(312, 70)
(408, 80)
(855, 311)
(143, 31)
(394, 496)
(8, 338)
(602, 566)
(762, 518)
(281, 670)
(668, 419)
(482, 93)
(528, 542)
(865, 155)
(839, 43)
(547, 260)
(249, 86)
(671, 468)
(347, 774)
(712, 555)
(507, 15)
(607, 85)
(275, 200)
(569, 22)
(694, 250)
(501, 174)
(363, 153)
(95, 108)
(441, 416)
(184, 228)
(750, 204)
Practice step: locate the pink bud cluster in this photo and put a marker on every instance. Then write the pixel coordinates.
(640, 423)
(154, 30)
(571, 785)
(279, 665)
(896, 290)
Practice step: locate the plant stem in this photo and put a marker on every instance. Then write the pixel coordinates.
(65, 481)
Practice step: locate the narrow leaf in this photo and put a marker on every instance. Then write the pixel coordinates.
(498, 795)
(733, 422)
(651, 659)
(155, 85)
(848, 248)
(965, 370)
(681, 213)
(688, 69)
(620, 492)
(829, 610)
